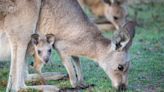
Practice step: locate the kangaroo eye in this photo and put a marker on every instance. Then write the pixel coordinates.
(115, 17)
(39, 51)
(49, 50)
(120, 67)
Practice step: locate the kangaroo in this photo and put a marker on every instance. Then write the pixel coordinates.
(75, 35)
(8, 6)
(107, 11)
(80, 37)
(41, 48)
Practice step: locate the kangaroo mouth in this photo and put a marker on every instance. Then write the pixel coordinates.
(102, 20)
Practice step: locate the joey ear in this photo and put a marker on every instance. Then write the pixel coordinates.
(50, 38)
(35, 39)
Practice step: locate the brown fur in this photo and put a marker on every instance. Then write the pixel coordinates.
(97, 6)
(6, 6)
(38, 63)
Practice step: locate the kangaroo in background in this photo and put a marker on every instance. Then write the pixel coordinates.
(109, 13)
(75, 35)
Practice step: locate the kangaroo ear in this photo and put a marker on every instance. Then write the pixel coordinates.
(119, 2)
(50, 38)
(122, 39)
(108, 2)
(35, 39)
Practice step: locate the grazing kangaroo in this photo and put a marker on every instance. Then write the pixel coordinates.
(80, 37)
(107, 11)
(74, 35)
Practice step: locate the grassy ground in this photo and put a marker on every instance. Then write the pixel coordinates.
(147, 53)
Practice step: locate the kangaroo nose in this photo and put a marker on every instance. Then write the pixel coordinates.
(122, 87)
(46, 60)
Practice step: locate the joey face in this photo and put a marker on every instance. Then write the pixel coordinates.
(43, 47)
(43, 50)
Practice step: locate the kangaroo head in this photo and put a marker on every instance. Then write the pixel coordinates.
(116, 12)
(116, 61)
(43, 46)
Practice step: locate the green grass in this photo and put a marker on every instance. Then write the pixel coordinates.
(147, 53)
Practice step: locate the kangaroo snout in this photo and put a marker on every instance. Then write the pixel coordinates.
(122, 87)
(46, 60)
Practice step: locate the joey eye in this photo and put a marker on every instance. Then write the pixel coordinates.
(115, 17)
(39, 51)
(49, 50)
(120, 67)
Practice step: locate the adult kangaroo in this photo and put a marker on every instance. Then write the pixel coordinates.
(75, 36)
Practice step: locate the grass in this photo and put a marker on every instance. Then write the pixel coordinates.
(147, 53)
